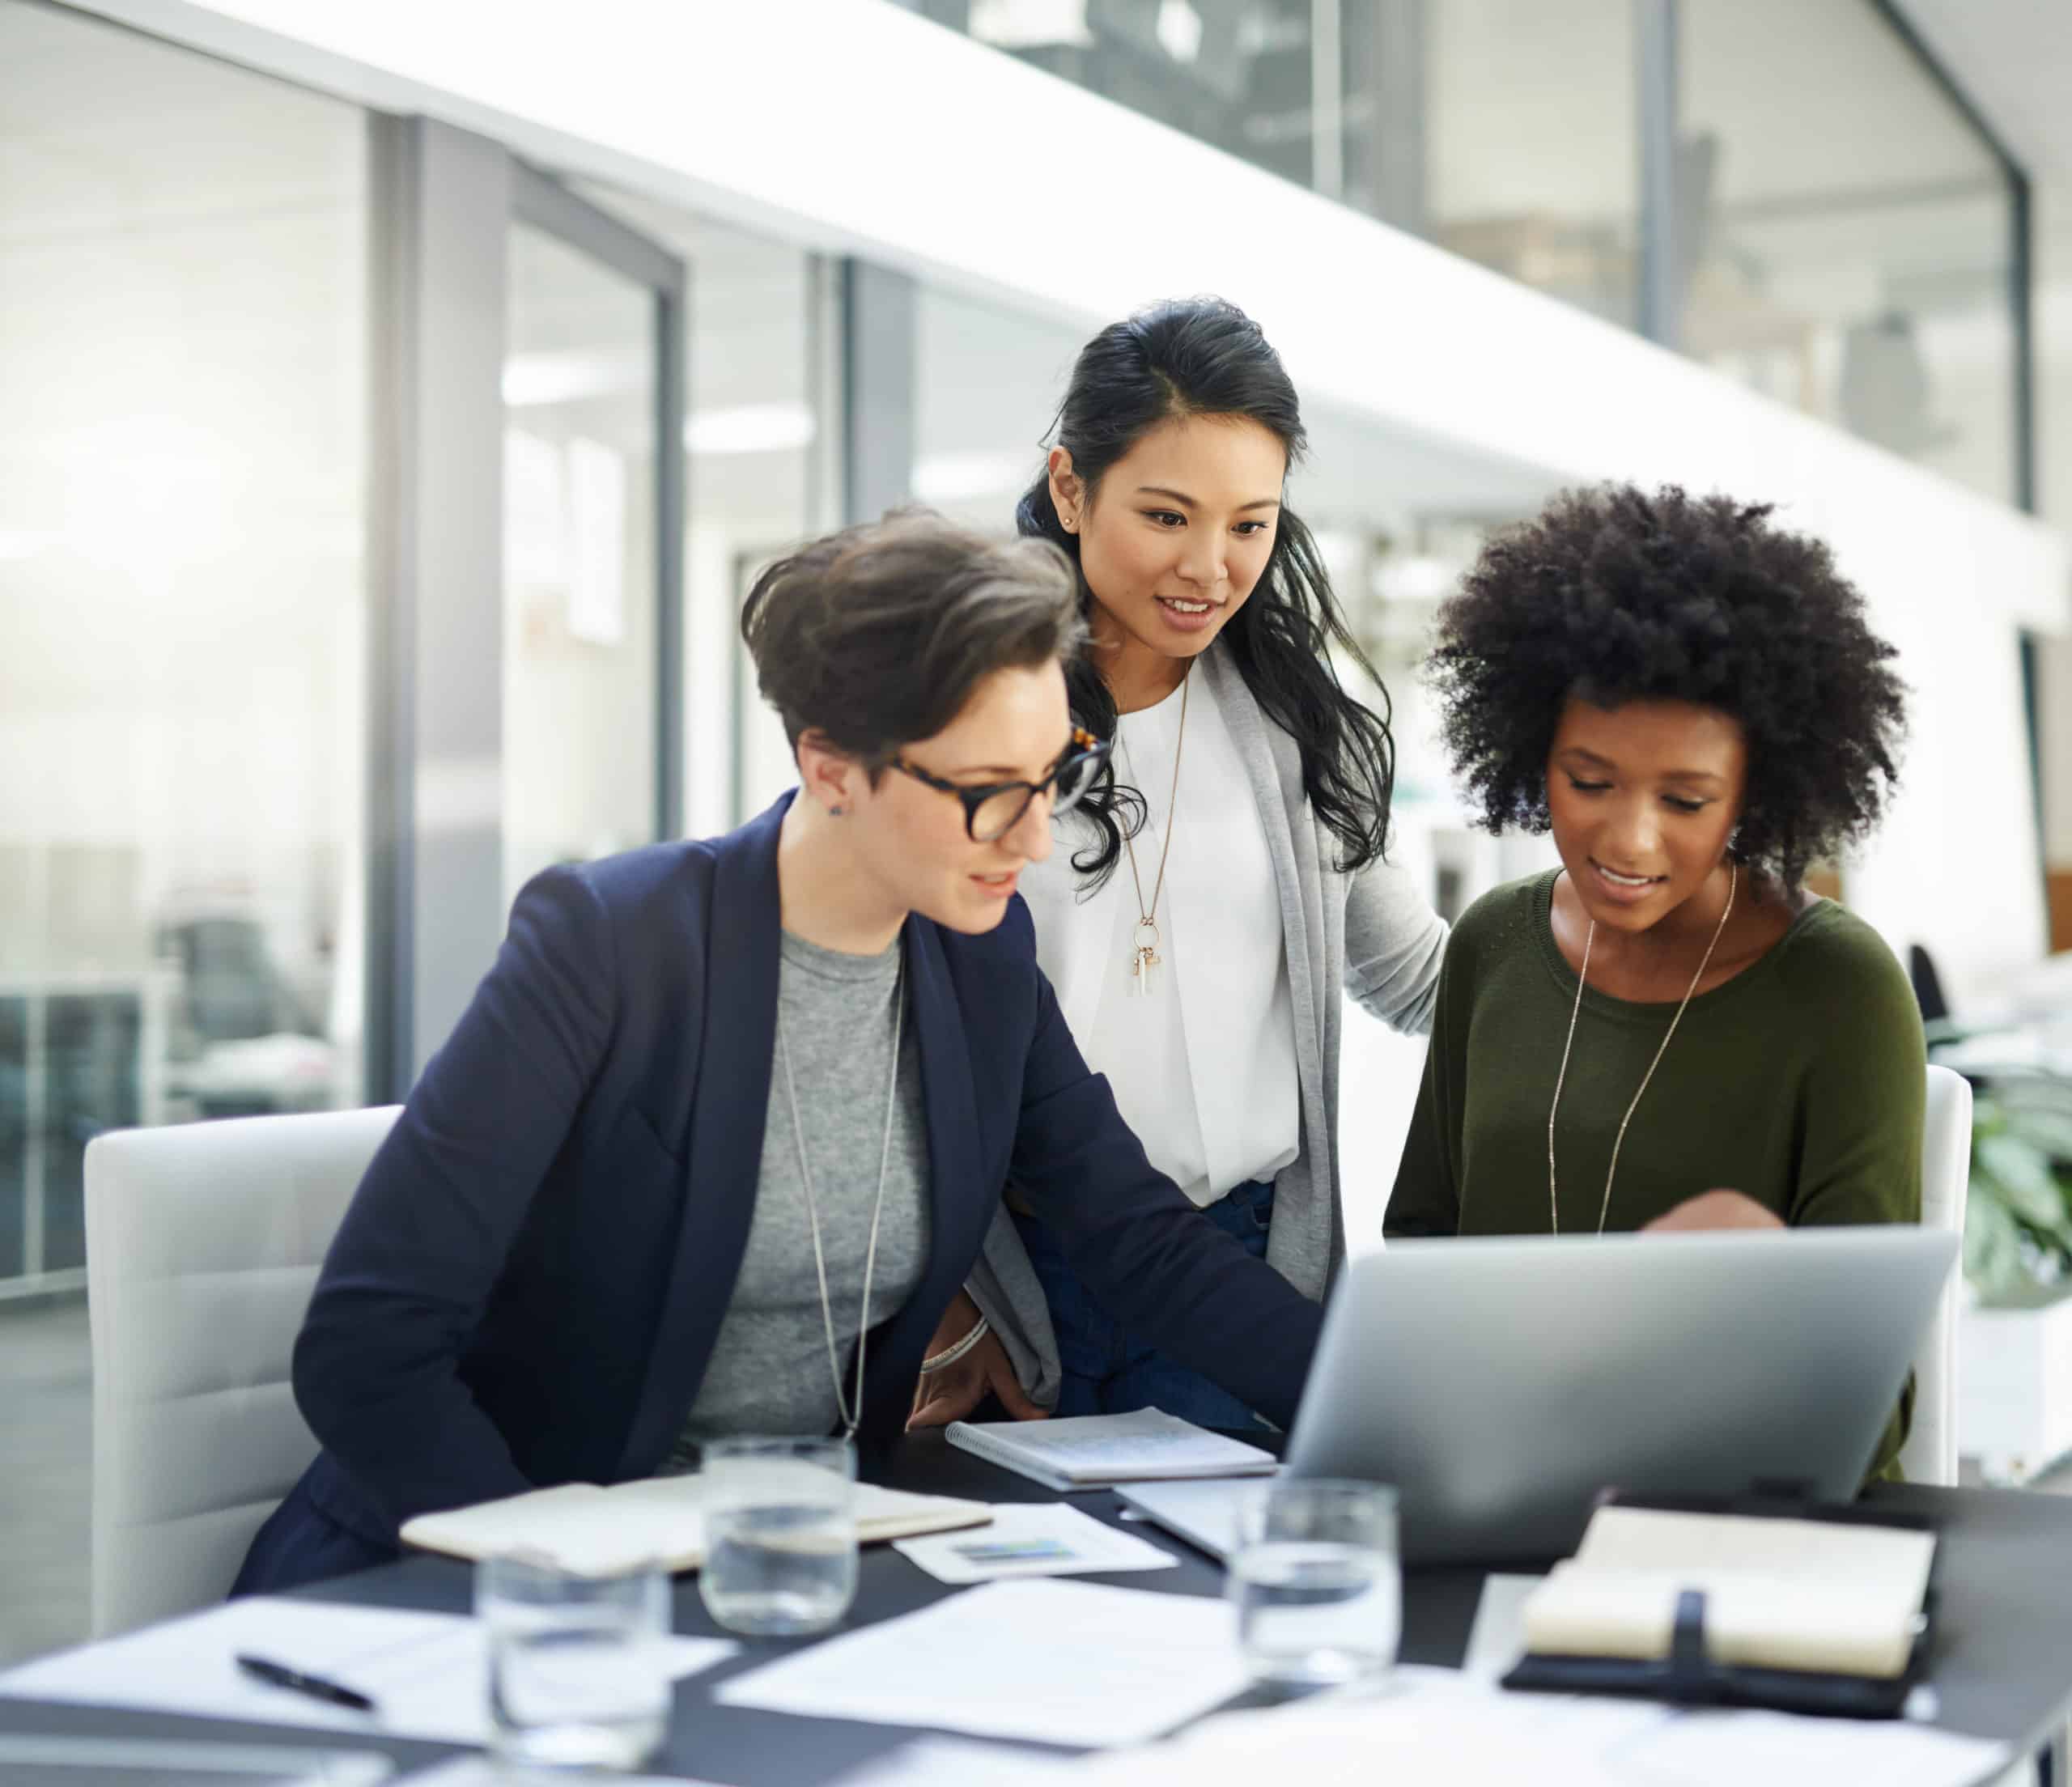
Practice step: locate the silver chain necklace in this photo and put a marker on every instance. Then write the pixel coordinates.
(852, 1417)
(1583, 974)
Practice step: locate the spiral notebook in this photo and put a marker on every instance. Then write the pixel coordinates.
(1098, 1451)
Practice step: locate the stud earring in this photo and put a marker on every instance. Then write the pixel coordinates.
(836, 813)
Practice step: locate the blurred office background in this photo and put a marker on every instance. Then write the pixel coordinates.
(393, 406)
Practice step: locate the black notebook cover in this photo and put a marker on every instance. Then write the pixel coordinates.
(1689, 1677)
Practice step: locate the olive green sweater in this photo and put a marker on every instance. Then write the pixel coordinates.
(1799, 1082)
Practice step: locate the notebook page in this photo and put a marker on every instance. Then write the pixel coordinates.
(1781, 1594)
(584, 1527)
(1645, 1538)
(572, 1523)
(675, 1505)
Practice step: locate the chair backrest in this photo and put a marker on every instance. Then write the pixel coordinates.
(1931, 1453)
(203, 1242)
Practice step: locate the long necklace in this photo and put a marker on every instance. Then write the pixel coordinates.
(852, 1417)
(1553, 1205)
(1144, 938)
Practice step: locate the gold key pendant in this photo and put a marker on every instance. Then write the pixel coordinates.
(1147, 957)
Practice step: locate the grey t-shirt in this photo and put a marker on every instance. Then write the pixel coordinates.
(769, 1372)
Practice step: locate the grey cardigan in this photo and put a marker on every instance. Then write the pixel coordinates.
(1372, 932)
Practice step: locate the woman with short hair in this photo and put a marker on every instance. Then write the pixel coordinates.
(1669, 1030)
(722, 1130)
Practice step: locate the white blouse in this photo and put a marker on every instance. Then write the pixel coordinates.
(1202, 1064)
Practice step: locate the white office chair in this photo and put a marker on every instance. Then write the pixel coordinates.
(1930, 1454)
(203, 1242)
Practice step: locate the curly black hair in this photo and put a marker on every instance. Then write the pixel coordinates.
(1614, 594)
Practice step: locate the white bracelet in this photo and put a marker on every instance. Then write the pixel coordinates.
(949, 1356)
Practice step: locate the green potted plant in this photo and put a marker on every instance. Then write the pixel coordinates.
(2015, 1343)
(2018, 1223)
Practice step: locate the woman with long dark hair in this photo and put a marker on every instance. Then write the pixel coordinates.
(1225, 878)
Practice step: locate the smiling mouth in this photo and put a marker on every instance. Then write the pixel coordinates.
(1182, 606)
(1617, 880)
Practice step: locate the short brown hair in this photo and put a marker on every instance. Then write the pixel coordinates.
(876, 636)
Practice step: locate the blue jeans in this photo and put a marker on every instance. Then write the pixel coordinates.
(1110, 1371)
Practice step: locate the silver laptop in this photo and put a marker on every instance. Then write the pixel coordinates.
(1500, 1384)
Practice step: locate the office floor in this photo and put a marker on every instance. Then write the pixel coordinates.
(46, 1471)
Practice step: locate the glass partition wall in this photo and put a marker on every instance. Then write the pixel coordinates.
(1237, 74)
(320, 630)
(1828, 221)
(1497, 82)
(204, 659)
(763, 453)
(1845, 238)
(580, 551)
(182, 328)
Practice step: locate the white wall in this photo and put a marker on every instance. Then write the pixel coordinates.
(2053, 348)
(2055, 696)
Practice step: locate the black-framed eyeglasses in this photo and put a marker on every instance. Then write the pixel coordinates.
(992, 811)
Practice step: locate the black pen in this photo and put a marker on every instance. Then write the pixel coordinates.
(280, 1675)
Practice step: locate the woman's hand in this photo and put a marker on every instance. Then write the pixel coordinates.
(1715, 1209)
(951, 1393)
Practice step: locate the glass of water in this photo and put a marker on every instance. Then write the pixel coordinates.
(579, 1672)
(1317, 1583)
(780, 1534)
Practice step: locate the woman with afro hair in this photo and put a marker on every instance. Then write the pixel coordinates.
(1668, 1030)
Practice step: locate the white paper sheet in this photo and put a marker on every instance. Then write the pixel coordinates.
(961, 1762)
(1429, 1727)
(486, 1772)
(1033, 1538)
(1442, 1727)
(427, 1673)
(1497, 1638)
(84, 1759)
(1052, 1662)
(1778, 1750)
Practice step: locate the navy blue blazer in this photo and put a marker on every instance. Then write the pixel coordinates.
(530, 1279)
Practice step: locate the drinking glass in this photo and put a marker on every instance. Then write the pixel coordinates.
(1317, 1583)
(578, 1664)
(780, 1534)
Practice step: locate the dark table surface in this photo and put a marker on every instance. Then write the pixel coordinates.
(2002, 1666)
